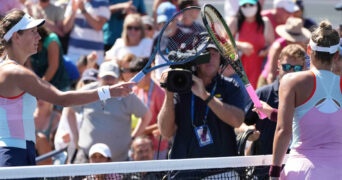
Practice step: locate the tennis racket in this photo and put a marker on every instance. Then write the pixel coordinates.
(180, 41)
(224, 41)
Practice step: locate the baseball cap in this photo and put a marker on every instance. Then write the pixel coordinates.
(288, 5)
(147, 20)
(167, 9)
(161, 18)
(26, 22)
(242, 2)
(211, 45)
(100, 148)
(108, 68)
(89, 74)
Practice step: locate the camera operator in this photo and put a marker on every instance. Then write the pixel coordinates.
(202, 120)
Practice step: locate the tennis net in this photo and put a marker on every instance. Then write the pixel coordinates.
(237, 167)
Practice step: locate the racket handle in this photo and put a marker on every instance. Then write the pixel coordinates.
(255, 99)
(138, 77)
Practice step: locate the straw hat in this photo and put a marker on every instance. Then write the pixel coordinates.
(293, 30)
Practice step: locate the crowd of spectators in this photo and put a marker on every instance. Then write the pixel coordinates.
(89, 43)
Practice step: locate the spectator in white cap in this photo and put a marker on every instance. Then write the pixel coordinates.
(282, 9)
(99, 152)
(20, 88)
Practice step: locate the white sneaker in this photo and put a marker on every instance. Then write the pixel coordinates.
(338, 6)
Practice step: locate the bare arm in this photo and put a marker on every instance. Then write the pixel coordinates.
(272, 60)
(72, 121)
(53, 61)
(268, 32)
(56, 27)
(120, 6)
(69, 21)
(142, 124)
(283, 130)
(227, 113)
(269, 37)
(166, 116)
(96, 22)
(15, 79)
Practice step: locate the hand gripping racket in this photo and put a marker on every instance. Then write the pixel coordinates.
(224, 41)
(180, 41)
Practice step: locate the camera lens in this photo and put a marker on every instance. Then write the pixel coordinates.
(179, 80)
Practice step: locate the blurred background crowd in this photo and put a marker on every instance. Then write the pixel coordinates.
(87, 43)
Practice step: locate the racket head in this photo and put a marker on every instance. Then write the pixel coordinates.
(183, 37)
(221, 36)
(219, 31)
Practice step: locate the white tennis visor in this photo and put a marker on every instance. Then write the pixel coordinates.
(26, 22)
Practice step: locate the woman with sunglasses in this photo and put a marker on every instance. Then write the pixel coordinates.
(310, 114)
(132, 40)
(254, 34)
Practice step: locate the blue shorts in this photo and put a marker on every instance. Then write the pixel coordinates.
(12, 156)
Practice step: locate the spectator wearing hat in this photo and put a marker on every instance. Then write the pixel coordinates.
(290, 33)
(119, 9)
(282, 9)
(101, 153)
(149, 26)
(167, 8)
(88, 76)
(164, 12)
(108, 121)
(254, 45)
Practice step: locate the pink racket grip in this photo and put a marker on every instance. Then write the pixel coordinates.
(138, 77)
(255, 99)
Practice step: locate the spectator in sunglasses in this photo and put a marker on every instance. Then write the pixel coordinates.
(291, 59)
(292, 32)
(132, 40)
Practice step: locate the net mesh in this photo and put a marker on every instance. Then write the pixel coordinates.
(238, 167)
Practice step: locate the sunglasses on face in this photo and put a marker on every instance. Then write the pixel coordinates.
(288, 67)
(248, 5)
(128, 70)
(148, 28)
(137, 28)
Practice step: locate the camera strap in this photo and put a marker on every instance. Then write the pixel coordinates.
(202, 132)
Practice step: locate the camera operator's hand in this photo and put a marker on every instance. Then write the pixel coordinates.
(198, 88)
(162, 80)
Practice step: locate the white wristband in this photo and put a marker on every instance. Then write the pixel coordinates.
(103, 93)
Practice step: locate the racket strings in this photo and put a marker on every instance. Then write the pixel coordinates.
(227, 48)
(182, 42)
